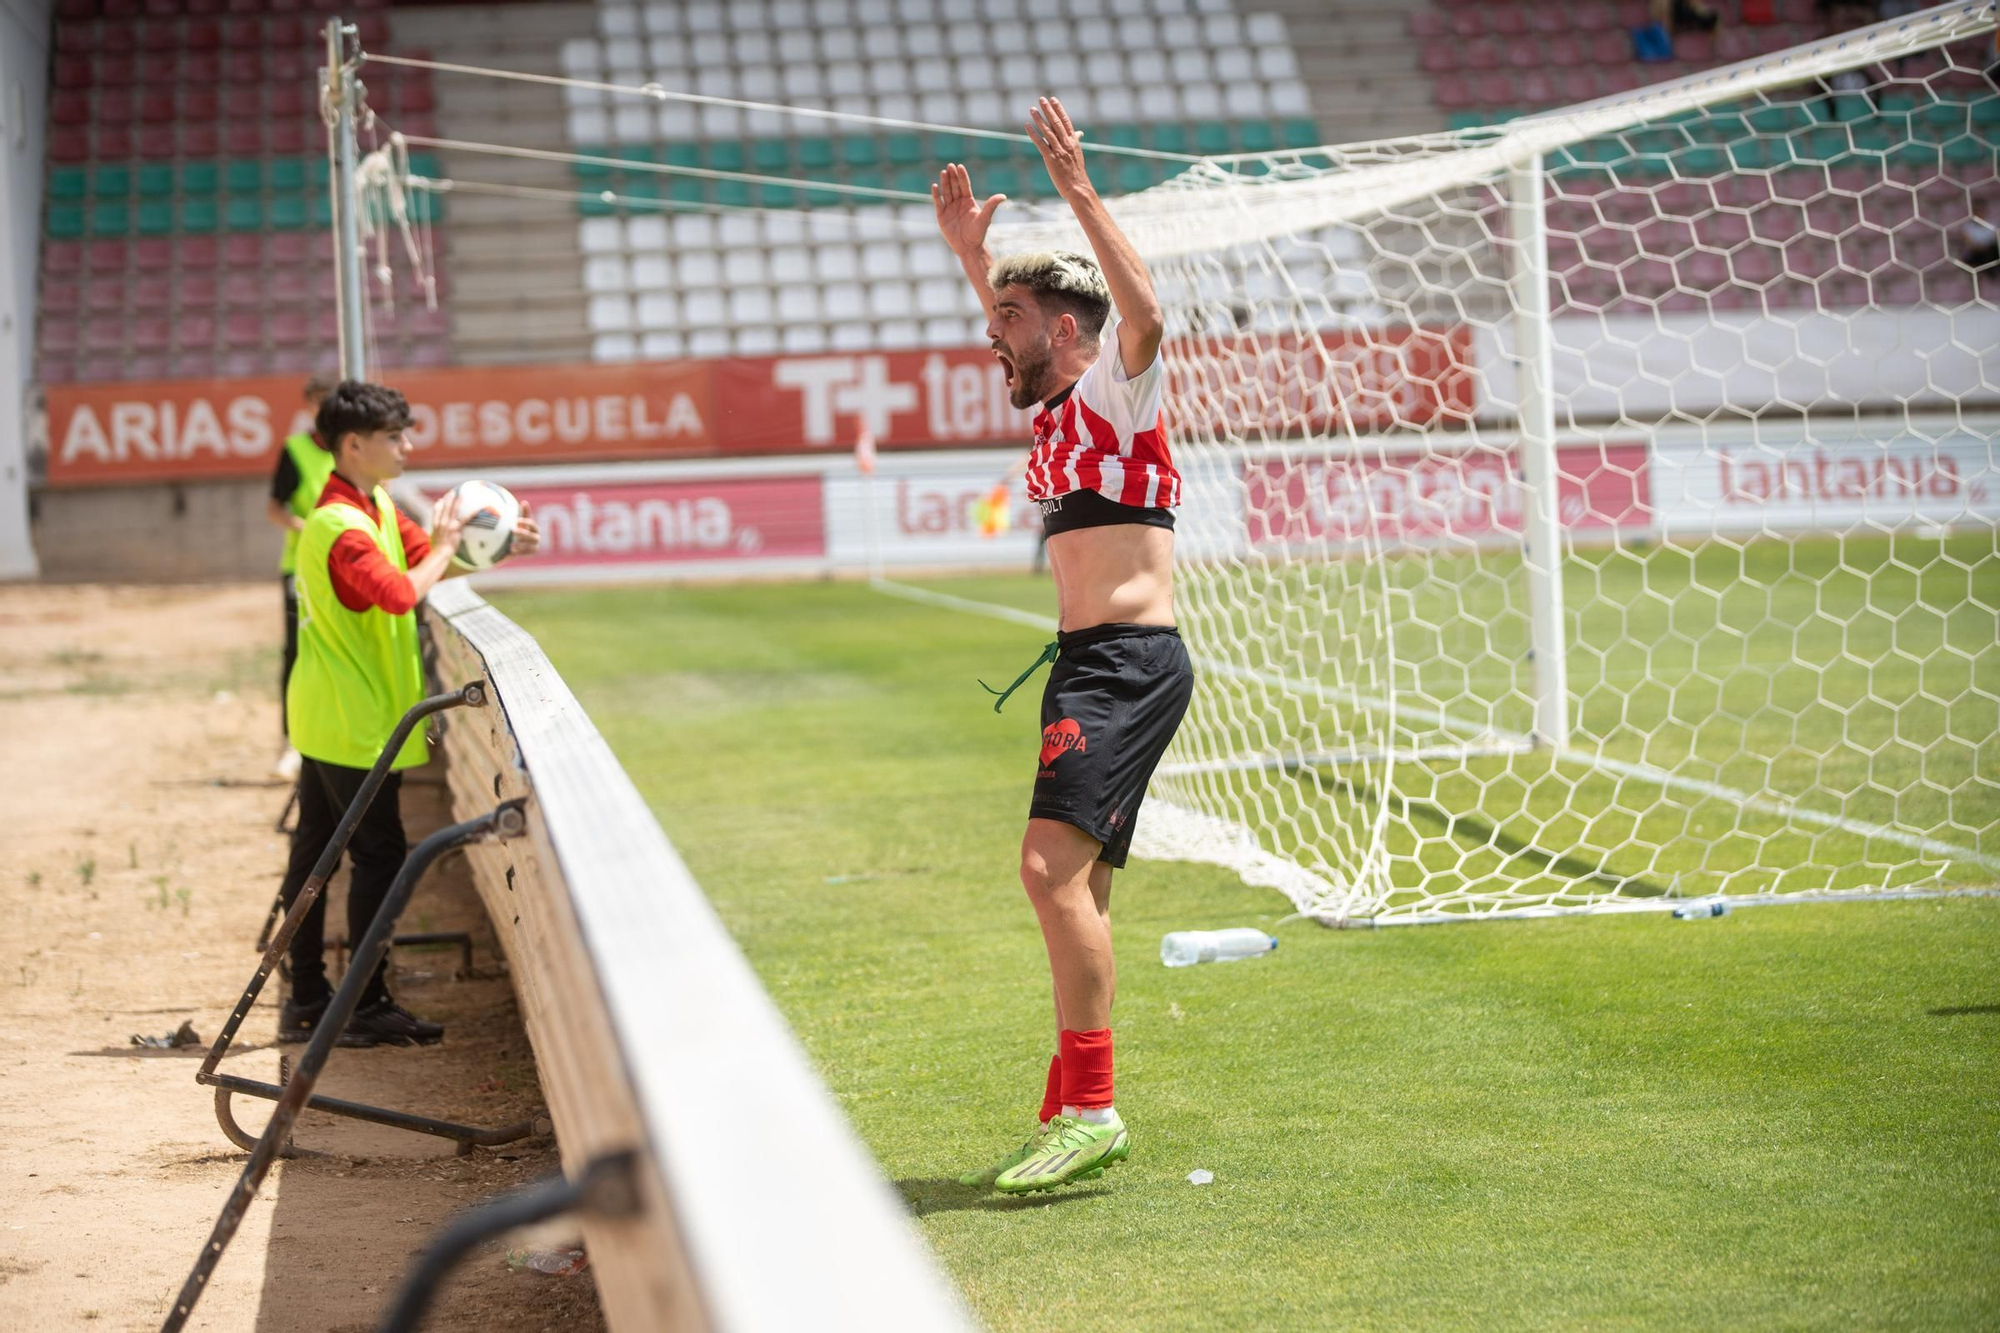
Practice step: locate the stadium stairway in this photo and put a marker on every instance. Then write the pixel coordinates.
(514, 261)
(1360, 67)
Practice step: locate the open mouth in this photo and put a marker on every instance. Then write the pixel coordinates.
(1006, 364)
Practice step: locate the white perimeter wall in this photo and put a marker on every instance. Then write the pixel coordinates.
(24, 99)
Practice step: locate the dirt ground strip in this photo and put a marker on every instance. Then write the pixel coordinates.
(137, 857)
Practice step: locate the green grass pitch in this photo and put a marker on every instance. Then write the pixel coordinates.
(1786, 1118)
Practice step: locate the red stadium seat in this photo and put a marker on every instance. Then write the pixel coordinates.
(196, 291)
(1437, 59)
(241, 365)
(1537, 89)
(61, 297)
(1525, 53)
(289, 287)
(288, 65)
(111, 141)
(1451, 92)
(243, 291)
(283, 34)
(291, 137)
(1496, 90)
(242, 33)
(1480, 54)
(293, 247)
(70, 108)
(1428, 24)
(151, 334)
(242, 250)
(202, 35)
(117, 38)
(62, 256)
(201, 68)
(72, 71)
(106, 295)
(242, 67)
(115, 104)
(59, 336)
(1506, 21)
(289, 327)
(146, 367)
(1563, 51)
(104, 335)
(241, 329)
(69, 143)
(290, 101)
(100, 370)
(78, 36)
(104, 256)
(156, 105)
(374, 31)
(241, 101)
(243, 137)
(121, 9)
(158, 142)
(189, 364)
(1467, 24)
(76, 9)
(152, 291)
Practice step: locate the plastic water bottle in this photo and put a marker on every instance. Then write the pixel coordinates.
(1185, 948)
(1702, 910)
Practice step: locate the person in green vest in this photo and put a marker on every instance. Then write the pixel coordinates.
(361, 569)
(296, 482)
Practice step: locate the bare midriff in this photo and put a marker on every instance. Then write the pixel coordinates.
(1117, 575)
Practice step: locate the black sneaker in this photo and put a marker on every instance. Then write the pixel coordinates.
(386, 1023)
(296, 1022)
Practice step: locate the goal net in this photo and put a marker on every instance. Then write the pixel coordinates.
(1596, 510)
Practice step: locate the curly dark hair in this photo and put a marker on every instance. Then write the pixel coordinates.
(356, 407)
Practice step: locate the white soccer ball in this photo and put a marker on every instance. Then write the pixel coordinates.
(489, 512)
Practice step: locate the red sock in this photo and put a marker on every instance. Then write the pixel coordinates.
(1052, 1102)
(1086, 1069)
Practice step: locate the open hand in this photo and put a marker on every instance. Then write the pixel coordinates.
(961, 217)
(1061, 147)
(446, 522)
(527, 534)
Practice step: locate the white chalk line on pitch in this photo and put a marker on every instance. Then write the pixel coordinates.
(1783, 810)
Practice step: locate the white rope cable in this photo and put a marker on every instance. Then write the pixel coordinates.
(659, 93)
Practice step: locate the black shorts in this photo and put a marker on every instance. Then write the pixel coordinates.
(1115, 696)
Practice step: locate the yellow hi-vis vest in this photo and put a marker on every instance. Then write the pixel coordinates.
(358, 672)
(314, 466)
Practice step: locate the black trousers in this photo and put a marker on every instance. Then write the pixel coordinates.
(377, 850)
(291, 647)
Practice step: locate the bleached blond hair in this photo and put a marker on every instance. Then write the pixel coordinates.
(1062, 280)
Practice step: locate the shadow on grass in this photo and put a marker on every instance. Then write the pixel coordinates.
(1474, 832)
(943, 1194)
(1958, 1010)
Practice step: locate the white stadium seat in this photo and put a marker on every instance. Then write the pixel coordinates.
(945, 331)
(1200, 101)
(1159, 102)
(582, 57)
(850, 336)
(604, 273)
(1138, 34)
(759, 82)
(976, 73)
(1233, 64)
(881, 43)
(1128, 8)
(651, 273)
(1190, 66)
(802, 82)
(1277, 62)
(625, 60)
(609, 314)
(896, 106)
(1266, 30)
(854, 104)
(750, 306)
(1114, 103)
(840, 43)
(984, 108)
(618, 20)
(1040, 12)
(837, 263)
(756, 340)
(589, 124)
(1095, 35)
(600, 236)
(798, 304)
(698, 268)
(796, 46)
(1181, 34)
(829, 225)
(704, 308)
(874, 13)
(897, 335)
(883, 259)
(1246, 101)
(1172, 8)
(1063, 71)
(613, 347)
(939, 296)
(958, 11)
(706, 344)
(887, 73)
(803, 338)
(705, 16)
(1221, 29)
(793, 266)
(915, 11)
(738, 231)
(721, 122)
(783, 227)
(832, 13)
(844, 300)
(1290, 99)
(660, 17)
(846, 78)
(752, 48)
(678, 120)
(967, 39)
(744, 266)
(716, 81)
(931, 258)
(747, 15)
(1020, 74)
(668, 52)
(1211, 6)
(1009, 39)
(1144, 67)
(632, 124)
(923, 41)
(890, 300)
(876, 222)
(761, 124)
(658, 310)
(656, 345)
(708, 49)
(790, 15)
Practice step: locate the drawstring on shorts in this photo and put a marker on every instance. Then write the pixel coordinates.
(1048, 655)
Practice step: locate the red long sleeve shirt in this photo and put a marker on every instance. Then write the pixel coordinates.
(362, 576)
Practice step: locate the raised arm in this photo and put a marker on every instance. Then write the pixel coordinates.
(1140, 324)
(964, 220)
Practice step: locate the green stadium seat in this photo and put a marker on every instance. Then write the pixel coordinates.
(156, 180)
(998, 150)
(1211, 138)
(1944, 119)
(1986, 112)
(1121, 136)
(905, 150)
(949, 148)
(110, 219)
(1968, 149)
(423, 164)
(777, 196)
(1779, 118)
(726, 155)
(243, 212)
(198, 213)
(681, 155)
(1301, 133)
(1898, 104)
(1824, 146)
(1134, 174)
(1851, 107)
(859, 151)
(110, 180)
(593, 174)
(65, 222)
(816, 154)
(1169, 139)
(1103, 170)
(634, 153)
(733, 194)
(913, 180)
(1706, 160)
(596, 206)
(68, 184)
(288, 173)
(641, 194)
(156, 218)
(243, 176)
(317, 171)
(691, 190)
(824, 198)
(1003, 180)
(322, 208)
(1257, 136)
(288, 211)
(201, 177)
(868, 178)
(771, 156)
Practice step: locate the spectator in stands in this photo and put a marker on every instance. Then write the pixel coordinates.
(361, 567)
(1979, 240)
(1654, 41)
(296, 482)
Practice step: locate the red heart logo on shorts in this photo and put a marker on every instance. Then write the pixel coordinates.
(1059, 739)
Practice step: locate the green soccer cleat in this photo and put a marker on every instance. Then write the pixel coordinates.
(984, 1178)
(1070, 1150)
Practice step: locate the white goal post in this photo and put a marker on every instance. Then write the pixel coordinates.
(1596, 510)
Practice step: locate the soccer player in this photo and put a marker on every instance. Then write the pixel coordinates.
(362, 568)
(296, 482)
(1100, 472)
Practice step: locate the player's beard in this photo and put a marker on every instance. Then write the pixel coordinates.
(1032, 372)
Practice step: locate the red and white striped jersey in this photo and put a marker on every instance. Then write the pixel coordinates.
(1105, 435)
